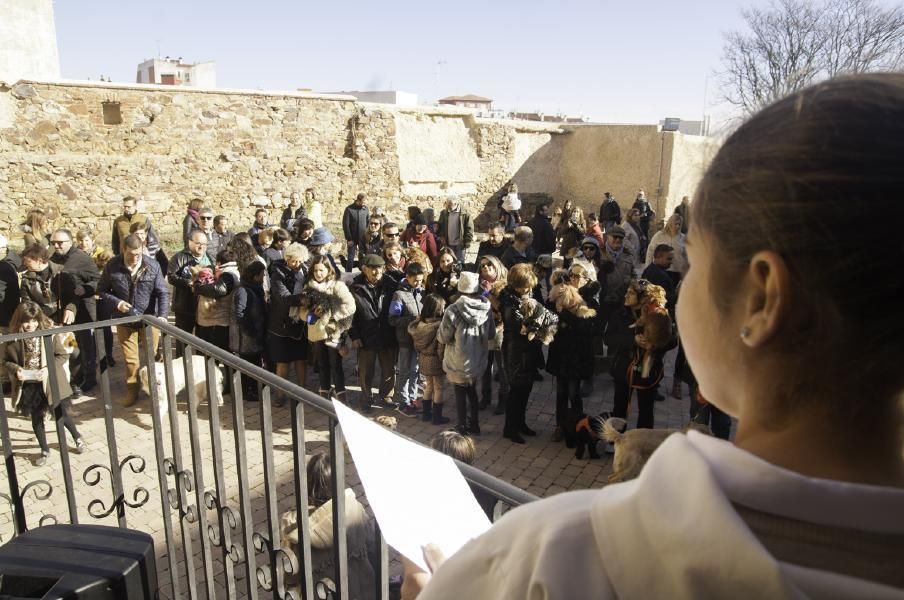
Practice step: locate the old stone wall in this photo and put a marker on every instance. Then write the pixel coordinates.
(75, 149)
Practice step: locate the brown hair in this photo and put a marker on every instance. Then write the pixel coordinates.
(36, 251)
(28, 311)
(657, 327)
(458, 446)
(522, 276)
(265, 238)
(785, 181)
(324, 260)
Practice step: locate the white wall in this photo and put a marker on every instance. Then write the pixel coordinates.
(28, 45)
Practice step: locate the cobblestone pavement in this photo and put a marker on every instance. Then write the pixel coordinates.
(541, 467)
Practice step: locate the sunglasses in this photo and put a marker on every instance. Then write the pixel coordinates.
(205, 217)
(588, 247)
(391, 234)
(58, 242)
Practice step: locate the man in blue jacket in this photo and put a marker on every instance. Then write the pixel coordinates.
(134, 285)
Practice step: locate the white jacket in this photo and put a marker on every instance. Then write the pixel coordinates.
(674, 533)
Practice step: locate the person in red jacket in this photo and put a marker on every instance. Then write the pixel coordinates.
(422, 237)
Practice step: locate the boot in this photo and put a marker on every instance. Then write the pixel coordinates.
(438, 418)
(461, 412)
(426, 410)
(473, 422)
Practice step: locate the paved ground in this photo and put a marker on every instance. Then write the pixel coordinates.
(541, 467)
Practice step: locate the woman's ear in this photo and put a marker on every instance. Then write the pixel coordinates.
(768, 298)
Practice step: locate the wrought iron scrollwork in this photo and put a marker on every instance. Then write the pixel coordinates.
(212, 502)
(36, 485)
(140, 495)
(286, 560)
(186, 479)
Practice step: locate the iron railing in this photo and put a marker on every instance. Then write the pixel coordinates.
(232, 536)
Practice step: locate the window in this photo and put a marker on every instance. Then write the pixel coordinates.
(112, 112)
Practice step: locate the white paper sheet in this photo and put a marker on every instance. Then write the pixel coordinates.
(418, 496)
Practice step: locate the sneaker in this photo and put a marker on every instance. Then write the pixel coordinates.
(388, 404)
(81, 445)
(42, 460)
(409, 410)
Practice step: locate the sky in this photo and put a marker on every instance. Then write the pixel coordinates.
(616, 61)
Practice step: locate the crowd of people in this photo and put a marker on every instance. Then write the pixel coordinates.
(417, 309)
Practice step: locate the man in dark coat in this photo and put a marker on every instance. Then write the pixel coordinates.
(647, 214)
(610, 212)
(9, 293)
(81, 267)
(495, 245)
(371, 332)
(657, 273)
(134, 285)
(544, 234)
(181, 277)
(354, 226)
(455, 228)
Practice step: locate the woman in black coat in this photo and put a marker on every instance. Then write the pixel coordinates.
(570, 357)
(522, 358)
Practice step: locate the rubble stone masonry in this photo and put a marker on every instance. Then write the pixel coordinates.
(76, 148)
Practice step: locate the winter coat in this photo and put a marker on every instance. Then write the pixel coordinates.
(148, 293)
(487, 249)
(370, 323)
(571, 351)
(52, 289)
(610, 211)
(189, 224)
(360, 536)
(428, 347)
(180, 276)
(466, 330)
(14, 358)
(466, 227)
(405, 308)
(512, 257)
(615, 279)
(121, 226)
(370, 245)
(10, 295)
(544, 235)
(354, 222)
(247, 319)
(81, 267)
(217, 242)
(282, 298)
(289, 217)
(425, 240)
(338, 306)
(522, 358)
(633, 243)
(215, 299)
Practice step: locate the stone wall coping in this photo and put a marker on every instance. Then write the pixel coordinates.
(178, 89)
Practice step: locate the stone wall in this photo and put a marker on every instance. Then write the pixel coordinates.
(239, 150)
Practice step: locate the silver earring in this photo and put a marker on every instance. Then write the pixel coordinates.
(745, 333)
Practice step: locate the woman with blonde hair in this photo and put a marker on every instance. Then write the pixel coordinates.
(671, 235)
(35, 228)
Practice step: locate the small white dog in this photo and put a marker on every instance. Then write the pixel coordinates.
(199, 370)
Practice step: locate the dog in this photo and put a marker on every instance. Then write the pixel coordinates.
(538, 322)
(582, 433)
(566, 297)
(633, 448)
(386, 421)
(199, 370)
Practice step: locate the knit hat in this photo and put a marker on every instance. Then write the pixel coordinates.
(468, 283)
(590, 240)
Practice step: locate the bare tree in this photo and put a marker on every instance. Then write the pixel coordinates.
(793, 43)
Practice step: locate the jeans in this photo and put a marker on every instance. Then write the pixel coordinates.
(351, 253)
(406, 380)
(486, 382)
(466, 406)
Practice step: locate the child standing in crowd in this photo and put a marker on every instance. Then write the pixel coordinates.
(430, 352)
(510, 209)
(327, 306)
(406, 307)
(493, 276)
(466, 330)
(27, 368)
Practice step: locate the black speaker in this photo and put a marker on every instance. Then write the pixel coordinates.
(92, 562)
